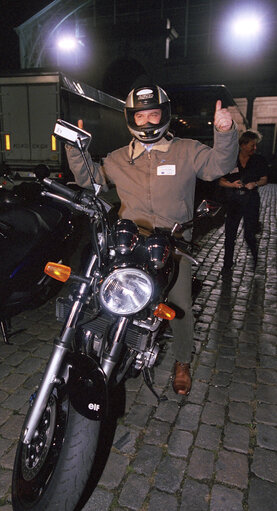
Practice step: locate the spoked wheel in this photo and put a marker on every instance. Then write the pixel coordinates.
(51, 472)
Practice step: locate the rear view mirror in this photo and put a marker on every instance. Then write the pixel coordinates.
(72, 135)
(208, 208)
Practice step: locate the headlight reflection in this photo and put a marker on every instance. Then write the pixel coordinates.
(126, 291)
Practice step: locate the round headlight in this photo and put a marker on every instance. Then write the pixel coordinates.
(126, 291)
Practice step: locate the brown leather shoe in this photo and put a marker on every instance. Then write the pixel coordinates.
(182, 379)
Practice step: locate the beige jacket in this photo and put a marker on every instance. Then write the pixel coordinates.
(157, 188)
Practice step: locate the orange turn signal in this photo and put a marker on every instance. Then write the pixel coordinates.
(58, 271)
(164, 312)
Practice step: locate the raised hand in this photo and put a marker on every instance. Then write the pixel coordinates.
(222, 117)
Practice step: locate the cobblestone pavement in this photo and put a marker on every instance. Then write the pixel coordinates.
(215, 450)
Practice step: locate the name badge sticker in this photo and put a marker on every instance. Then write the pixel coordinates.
(166, 170)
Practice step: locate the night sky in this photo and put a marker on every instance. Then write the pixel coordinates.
(12, 14)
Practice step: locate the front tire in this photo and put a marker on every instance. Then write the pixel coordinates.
(51, 473)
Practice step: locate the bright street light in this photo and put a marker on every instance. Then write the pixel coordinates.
(68, 43)
(244, 32)
(246, 26)
(69, 49)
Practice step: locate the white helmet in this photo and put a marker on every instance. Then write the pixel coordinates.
(148, 98)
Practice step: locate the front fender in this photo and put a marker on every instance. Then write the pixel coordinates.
(86, 386)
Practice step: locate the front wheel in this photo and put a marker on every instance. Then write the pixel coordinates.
(51, 473)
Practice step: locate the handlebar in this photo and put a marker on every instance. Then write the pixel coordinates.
(83, 200)
(61, 189)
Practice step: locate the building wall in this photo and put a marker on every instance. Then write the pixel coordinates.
(264, 111)
(265, 120)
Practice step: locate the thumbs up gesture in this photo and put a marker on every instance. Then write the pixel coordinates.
(222, 117)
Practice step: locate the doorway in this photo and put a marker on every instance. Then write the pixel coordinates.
(267, 146)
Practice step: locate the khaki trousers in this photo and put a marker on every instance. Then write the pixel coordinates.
(183, 324)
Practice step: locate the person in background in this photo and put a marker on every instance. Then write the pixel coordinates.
(155, 179)
(243, 199)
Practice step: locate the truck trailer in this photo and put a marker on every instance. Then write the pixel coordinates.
(30, 104)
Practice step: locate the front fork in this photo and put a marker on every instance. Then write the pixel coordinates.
(49, 380)
(110, 359)
(60, 349)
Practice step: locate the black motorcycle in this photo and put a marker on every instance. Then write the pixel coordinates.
(33, 230)
(112, 323)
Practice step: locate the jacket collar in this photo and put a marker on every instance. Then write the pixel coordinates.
(136, 148)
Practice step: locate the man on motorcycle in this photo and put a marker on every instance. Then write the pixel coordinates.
(155, 178)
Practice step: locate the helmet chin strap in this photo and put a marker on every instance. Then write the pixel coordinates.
(146, 140)
(148, 134)
(143, 129)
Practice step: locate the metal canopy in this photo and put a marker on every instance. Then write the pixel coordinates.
(35, 34)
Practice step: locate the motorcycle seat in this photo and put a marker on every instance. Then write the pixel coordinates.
(31, 222)
(50, 217)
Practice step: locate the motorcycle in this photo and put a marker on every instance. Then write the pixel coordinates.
(113, 319)
(33, 229)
